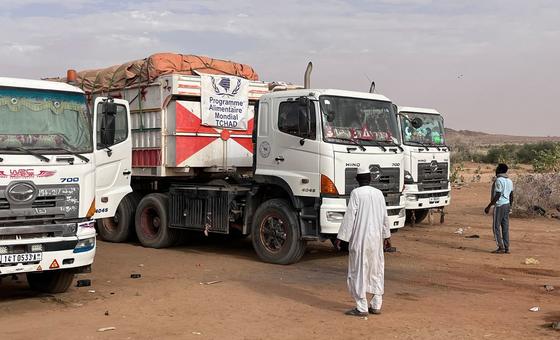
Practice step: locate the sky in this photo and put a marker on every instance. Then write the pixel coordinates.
(487, 65)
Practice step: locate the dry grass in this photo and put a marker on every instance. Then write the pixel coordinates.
(537, 194)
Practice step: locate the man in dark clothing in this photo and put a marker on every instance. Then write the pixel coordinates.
(502, 198)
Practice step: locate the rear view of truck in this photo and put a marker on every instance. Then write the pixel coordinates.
(427, 183)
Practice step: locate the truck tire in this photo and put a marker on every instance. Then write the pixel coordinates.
(275, 233)
(119, 227)
(152, 226)
(420, 215)
(56, 281)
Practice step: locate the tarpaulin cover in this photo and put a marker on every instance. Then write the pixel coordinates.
(145, 71)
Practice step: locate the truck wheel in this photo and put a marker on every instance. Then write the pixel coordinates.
(275, 233)
(119, 227)
(151, 222)
(420, 215)
(57, 281)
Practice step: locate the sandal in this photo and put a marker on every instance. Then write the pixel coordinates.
(374, 311)
(356, 312)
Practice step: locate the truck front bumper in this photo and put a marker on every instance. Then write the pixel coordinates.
(397, 217)
(332, 212)
(427, 199)
(62, 246)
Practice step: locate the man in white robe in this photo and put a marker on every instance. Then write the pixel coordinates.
(366, 227)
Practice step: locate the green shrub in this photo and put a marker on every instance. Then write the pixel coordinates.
(528, 152)
(547, 160)
(466, 153)
(502, 154)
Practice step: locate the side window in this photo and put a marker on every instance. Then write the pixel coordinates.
(121, 126)
(294, 119)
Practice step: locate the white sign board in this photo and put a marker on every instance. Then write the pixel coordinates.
(225, 101)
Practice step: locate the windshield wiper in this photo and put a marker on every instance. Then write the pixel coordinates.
(29, 152)
(376, 143)
(394, 144)
(74, 153)
(353, 141)
(419, 143)
(68, 149)
(435, 146)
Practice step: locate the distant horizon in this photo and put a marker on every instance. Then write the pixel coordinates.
(500, 133)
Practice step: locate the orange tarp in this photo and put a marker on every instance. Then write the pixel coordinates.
(144, 71)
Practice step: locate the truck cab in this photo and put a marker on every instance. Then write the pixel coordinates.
(49, 155)
(426, 162)
(311, 142)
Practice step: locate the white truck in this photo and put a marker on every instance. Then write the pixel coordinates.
(284, 177)
(427, 184)
(50, 174)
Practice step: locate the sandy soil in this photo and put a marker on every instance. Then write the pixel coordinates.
(440, 285)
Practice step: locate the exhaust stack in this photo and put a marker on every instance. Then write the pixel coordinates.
(307, 77)
(372, 87)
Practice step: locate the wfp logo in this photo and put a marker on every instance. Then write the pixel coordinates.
(224, 86)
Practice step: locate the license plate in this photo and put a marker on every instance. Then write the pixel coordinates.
(434, 200)
(20, 258)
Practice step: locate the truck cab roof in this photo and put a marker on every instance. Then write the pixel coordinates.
(327, 92)
(38, 84)
(418, 110)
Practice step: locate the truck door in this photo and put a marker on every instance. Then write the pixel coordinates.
(289, 147)
(113, 154)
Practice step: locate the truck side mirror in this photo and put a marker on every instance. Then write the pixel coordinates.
(108, 112)
(303, 101)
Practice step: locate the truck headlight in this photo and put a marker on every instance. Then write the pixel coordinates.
(402, 213)
(3, 250)
(408, 179)
(335, 216)
(85, 245)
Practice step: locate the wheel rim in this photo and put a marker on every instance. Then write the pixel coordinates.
(150, 222)
(111, 224)
(273, 232)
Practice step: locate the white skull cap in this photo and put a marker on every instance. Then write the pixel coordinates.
(363, 169)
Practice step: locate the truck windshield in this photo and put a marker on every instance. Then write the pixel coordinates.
(346, 119)
(430, 133)
(50, 121)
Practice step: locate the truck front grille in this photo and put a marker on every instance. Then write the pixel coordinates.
(388, 183)
(433, 176)
(51, 202)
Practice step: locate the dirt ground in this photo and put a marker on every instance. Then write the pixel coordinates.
(439, 285)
